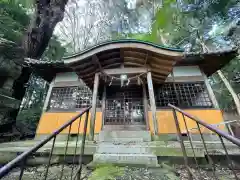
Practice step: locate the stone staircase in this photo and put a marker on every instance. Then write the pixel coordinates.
(124, 147)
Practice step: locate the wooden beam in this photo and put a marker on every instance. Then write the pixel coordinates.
(126, 63)
(146, 59)
(145, 104)
(82, 65)
(94, 105)
(160, 72)
(158, 80)
(86, 70)
(184, 79)
(136, 54)
(111, 65)
(152, 102)
(122, 56)
(90, 74)
(161, 61)
(96, 61)
(110, 61)
(134, 59)
(68, 83)
(125, 71)
(158, 76)
(161, 66)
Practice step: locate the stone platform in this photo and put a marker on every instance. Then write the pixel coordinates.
(161, 149)
(124, 136)
(124, 147)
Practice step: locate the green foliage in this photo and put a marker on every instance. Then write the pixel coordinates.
(107, 172)
(162, 28)
(55, 50)
(13, 20)
(25, 3)
(29, 118)
(164, 20)
(221, 7)
(201, 24)
(223, 96)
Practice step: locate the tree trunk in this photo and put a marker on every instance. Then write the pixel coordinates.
(48, 14)
(231, 90)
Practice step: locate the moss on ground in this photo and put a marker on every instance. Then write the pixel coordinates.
(164, 151)
(106, 172)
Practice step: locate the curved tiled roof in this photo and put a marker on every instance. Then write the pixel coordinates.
(125, 53)
(132, 53)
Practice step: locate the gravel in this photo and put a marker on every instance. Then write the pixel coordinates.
(37, 173)
(222, 173)
(128, 173)
(132, 173)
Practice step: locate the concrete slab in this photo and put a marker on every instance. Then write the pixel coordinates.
(137, 159)
(124, 136)
(168, 149)
(123, 149)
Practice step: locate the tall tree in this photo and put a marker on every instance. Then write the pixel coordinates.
(48, 14)
(37, 41)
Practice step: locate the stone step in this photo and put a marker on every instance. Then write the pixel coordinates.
(125, 136)
(134, 127)
(134, 159)
(122, 140)
(122, 149)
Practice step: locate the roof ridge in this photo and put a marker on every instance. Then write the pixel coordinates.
(123, 41)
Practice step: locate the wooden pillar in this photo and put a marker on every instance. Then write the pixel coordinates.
(94, 106)
(145, 105)
(210, 91)
(103, 104)
(152, 102)
(45, 106)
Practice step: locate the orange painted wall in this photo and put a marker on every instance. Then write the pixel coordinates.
(166, 122)
(50, 121)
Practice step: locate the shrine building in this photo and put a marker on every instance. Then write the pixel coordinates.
(129, 85)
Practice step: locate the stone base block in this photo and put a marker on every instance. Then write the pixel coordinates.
(110, 148)
(124, 136)
(133, 159)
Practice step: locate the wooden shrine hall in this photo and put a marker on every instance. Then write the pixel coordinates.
(129, 85)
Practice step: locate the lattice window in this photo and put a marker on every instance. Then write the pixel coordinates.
(186, 95)
(84, 99)
(124, 106)
(68, 98)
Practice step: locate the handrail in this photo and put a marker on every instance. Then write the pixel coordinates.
(220, 134)
(209, 126)
(22, 157)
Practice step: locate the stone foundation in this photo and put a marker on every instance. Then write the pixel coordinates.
(123, 147)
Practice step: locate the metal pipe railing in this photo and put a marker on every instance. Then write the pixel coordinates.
(220, 134)
(210, 127)
(22, 158)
